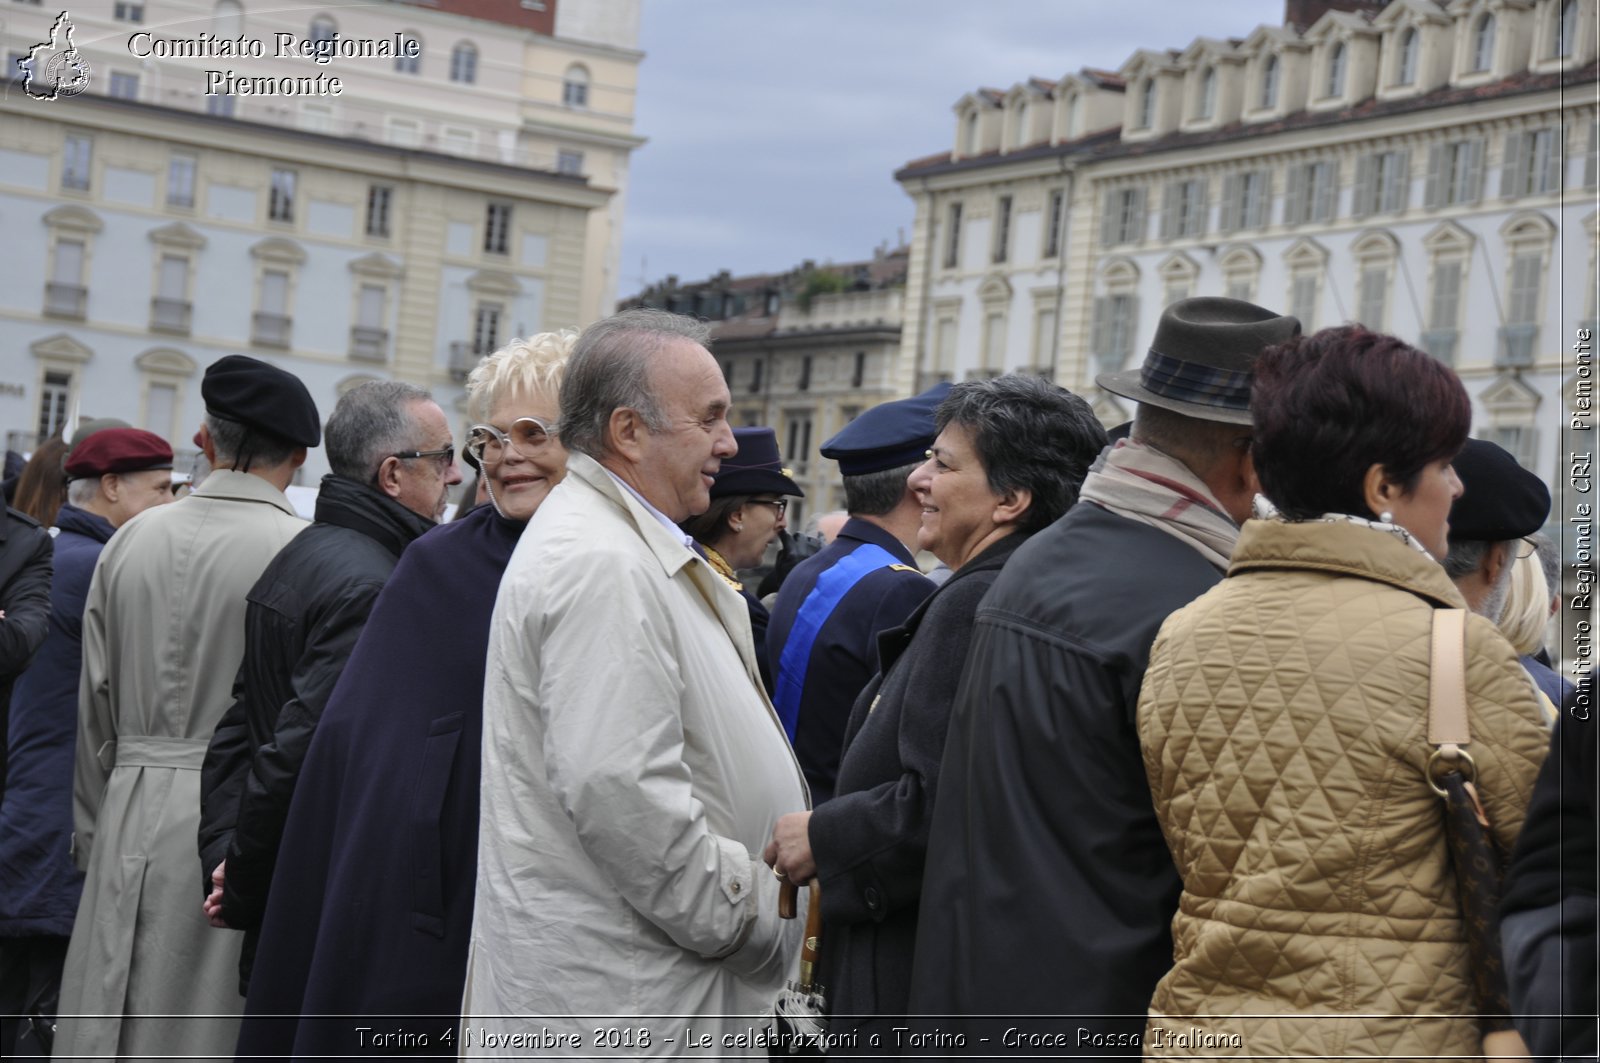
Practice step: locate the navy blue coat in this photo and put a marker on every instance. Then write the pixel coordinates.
(371, 901)
(845, 654)
(39, 883)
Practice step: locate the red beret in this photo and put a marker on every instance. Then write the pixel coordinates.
(118, 450)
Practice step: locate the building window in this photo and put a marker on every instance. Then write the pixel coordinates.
(123, 11)
(858, 373)
(1019, 125)
(1566, 29)
(464, 63)
(77, 158)
(1184, 212)
(1533, 162)
(575, 86)
(271, 324)
(799, 437)
(169, 310)
(1406, 62)
(1312, 194)
(1122, 218)
(1374, 291)
(497, 228)
(280, 198)
(323, 29)
(805, 373)
(1335, 84)
(1522, 310)
(771, 303)
(993, 355)
(1244, 201)
(220, 105)
(1303, 299)
(124, 86)
(369, 340)
(180, 180)
(755, 375)
(1455, 173)
(1240, 269)
(1208, 93)
(970, 139)
(1147, 104)
(1482, 44)
(1382, 183)
(1269, 83)
(486, 329)
(405, 62)
(379, 198)
(1044, 337)
(569, 162)
(316, 117)
(1590, 155)
(1054, 215)
(1112, 330)
(65, 295)
(952, 239)
(1444, 311)
(55, 398)
(1002, 229)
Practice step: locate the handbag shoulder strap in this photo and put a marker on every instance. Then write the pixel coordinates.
(1447, 681)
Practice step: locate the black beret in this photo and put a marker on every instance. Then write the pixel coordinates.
(889, 435)
(118, 450)
(1500, 500)
(263, 397)
(756, 469)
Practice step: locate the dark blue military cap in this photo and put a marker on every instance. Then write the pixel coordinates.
(263, 397)
(889, 435)
(756, 469)
(1500, 500)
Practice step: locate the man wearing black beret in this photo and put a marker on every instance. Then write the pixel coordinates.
(1500, 503)
(163, 635)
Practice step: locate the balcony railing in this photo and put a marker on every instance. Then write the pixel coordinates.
(1441, 343)
(369, 344)
(170, 315)
(65, 300)
(270, 330)
(1516, 345)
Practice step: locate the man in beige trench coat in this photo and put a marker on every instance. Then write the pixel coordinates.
(163, 634)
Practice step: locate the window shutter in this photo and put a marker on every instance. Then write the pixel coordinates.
(1397, 188)
(1433, 197)
(1097, 330)
(1257, 193)
(1109, 214)
(1199, 207)
(1513, 168)
(1169, 210)
(1139, 227)
(1294, 201)
(1555, 162)
(1327, 191)
(1363, 203)
(1130, 307)
(1230, 219)
(1474, 168)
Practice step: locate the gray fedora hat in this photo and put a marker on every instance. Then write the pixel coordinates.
(1202, 359)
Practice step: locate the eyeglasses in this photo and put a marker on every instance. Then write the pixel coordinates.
(444, 455)
(779, 504)
(528, 435)
(1527, 549)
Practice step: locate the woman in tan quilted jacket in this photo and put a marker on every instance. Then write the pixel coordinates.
(1283, 721)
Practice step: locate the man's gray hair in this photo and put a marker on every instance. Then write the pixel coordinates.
(875, 494)
(370, 423)
(610, 370)
(1466, 556)
(82, 491)
(237, 443)
(1549, 560)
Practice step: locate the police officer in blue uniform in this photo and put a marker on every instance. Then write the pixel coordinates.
(822, 642)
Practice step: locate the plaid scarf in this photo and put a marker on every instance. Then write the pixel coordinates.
(1136, 481)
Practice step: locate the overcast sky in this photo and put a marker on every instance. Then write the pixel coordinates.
(775, 127)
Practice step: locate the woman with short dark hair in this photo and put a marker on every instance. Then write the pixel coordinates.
(1284, 726)
(1009, 458)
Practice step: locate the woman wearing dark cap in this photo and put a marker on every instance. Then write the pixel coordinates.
(371, 901)
(748, 506)
(1284, 726)
(1008, 460)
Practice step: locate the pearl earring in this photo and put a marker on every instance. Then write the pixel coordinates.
(738, 527)
(1386, 517)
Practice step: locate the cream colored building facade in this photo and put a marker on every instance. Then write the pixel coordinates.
(1426, 169)
(398, 230)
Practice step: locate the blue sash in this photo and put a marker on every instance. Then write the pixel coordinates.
(830, 589)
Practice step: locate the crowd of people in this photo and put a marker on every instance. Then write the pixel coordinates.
(1163, 755)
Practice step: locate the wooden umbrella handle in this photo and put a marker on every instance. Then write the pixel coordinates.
(788, 894)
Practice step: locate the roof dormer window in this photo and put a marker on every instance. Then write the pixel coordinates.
(1566, 30)
(1147, 104)
(970, 141)
(1336, 64)
(1208, 93)
(1269, 83)
(1482, 44)
(1019, 129)
(1406, 62)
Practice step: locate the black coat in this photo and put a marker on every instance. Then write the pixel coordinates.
(870, 840)
(845, 654)
(1049, 887)
(371, 906)
(304, 616)
(25, 567)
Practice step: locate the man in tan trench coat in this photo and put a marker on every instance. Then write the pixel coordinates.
(163, 634)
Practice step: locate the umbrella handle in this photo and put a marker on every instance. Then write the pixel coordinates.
(810, 945)
(788, 894)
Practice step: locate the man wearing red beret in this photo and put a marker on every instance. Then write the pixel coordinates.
(114, 475)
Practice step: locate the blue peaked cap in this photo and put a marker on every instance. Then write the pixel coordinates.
(889, 435)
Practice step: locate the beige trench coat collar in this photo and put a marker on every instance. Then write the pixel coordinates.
(243, 487)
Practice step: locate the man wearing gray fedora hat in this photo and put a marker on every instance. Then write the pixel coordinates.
(1049, 888)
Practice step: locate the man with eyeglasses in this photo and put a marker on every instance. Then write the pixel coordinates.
(393, 462)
